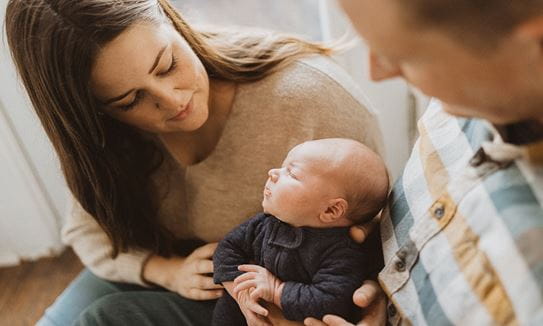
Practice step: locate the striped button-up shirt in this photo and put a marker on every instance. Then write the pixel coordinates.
(463, 233)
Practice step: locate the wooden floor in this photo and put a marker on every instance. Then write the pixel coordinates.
(26, 290)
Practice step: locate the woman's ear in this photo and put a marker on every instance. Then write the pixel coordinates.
(337, 208)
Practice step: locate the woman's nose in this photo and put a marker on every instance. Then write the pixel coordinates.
(273, 174)
(168, 99)
(381, 68)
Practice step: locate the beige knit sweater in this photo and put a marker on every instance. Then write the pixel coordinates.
(310, 99)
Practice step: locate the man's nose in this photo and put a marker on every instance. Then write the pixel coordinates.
(382, 69)
(273, 174)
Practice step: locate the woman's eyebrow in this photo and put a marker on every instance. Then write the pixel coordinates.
(155, 64)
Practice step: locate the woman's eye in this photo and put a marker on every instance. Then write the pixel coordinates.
(172, 67)
(130, 106)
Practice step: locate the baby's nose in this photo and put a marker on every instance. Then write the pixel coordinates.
(273, 174)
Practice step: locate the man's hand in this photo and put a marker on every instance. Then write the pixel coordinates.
(250, 308)
(264, 284)
(360, 232)
(370, 297)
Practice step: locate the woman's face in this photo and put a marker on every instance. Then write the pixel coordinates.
(150, 78)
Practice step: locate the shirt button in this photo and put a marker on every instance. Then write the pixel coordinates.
(439, 212)
(391, 310)
(400, 265)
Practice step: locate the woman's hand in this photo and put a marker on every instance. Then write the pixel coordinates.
(188, 276)
(370, 297)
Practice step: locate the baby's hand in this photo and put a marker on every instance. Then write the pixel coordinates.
(265, 285)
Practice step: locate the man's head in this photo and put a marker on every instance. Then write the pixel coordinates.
(327, 183)
(482, 58)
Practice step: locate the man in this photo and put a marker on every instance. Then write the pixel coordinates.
(462, 239)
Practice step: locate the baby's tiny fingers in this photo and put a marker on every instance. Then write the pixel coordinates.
(244, 286)
(244, 277)
(249, 268)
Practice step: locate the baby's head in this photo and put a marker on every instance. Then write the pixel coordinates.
(327, 183)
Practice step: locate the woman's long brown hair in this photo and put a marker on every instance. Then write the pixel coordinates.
(108, 165)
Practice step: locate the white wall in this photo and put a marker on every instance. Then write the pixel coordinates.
(322, 20)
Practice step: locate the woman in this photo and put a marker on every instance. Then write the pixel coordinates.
(165, 135)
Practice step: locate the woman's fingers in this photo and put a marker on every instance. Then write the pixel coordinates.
(199, 294)
(203, 266)
(205, 251)
(205, 283)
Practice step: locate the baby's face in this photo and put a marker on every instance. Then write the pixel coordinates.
(298, 191)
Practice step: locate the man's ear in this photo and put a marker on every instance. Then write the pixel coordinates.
(531, 31)
(337, 208)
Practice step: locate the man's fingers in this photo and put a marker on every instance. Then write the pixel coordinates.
(365, 295)
(254, 320)
(332, 320)
(257, 309)
(359, 233)
(313, 322)
(375, 314)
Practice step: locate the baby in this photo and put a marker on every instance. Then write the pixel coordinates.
(298, 254)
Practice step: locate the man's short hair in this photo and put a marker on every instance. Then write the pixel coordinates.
(482, 22)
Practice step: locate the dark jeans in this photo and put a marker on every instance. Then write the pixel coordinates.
(90, 300)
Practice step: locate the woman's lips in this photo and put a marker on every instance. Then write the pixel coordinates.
(184, 113)
(267, 192)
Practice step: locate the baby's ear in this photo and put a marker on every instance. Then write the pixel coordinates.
(337, 208)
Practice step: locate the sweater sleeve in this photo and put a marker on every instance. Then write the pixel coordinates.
(237, 248)
(340, 273)
(94, 248)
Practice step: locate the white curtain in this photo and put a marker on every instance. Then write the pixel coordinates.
(32, 191)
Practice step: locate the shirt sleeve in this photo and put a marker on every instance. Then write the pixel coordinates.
(92, 245)
(331, 290)
(237, 248)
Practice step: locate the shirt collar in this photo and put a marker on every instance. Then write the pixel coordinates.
(528, 134)
(521, 133)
